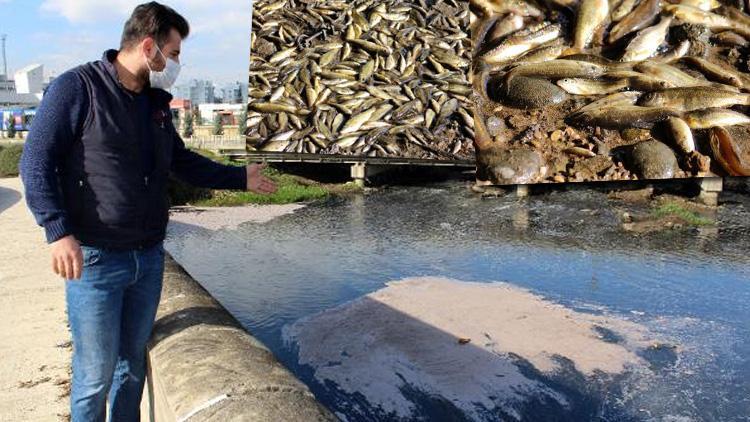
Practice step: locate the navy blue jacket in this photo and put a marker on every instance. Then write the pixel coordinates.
(96, 162)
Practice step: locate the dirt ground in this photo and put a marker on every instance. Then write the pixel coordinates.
(35, 346)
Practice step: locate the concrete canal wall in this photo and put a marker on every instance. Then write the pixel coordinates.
(203, 366)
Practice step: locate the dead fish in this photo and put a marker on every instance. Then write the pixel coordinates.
(356, 122)
(639, 81)
(480, 29)
(370, 46)
(693, 98)
(281, 137)
(517, 45)
(557, 69)
(741, 18)
(714, 71)
(730, 38)
(639, 18)
(581, 86)
(448, 108)
(591, 15)
(669, 73)
(725, 152)
(681, 134)
(677, 52)
(282, 55)
(622, 117)
(501, 7)
(543, 53)
(506, 26)
(704, 119)
(585, 57)
(689, 14)
(367, 70)
(276, 108)
(647, 41)
(275, 146)
(622, 10)
(613, 100)
(705, 5)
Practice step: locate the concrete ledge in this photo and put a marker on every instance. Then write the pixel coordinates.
(203, 366)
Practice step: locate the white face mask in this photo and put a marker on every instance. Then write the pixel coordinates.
(167, 77)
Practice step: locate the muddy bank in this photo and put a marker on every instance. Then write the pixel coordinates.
(215, 218)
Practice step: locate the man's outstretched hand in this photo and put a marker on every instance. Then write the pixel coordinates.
(258, 183)
(67, 258)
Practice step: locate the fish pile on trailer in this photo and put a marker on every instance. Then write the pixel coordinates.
(580, 90)
(367, 78)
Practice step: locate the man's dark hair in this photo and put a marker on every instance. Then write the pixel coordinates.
(153, 20)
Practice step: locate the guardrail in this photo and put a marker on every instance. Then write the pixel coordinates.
(216, 142)
(290, 157)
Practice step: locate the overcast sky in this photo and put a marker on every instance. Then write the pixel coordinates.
(61, 34)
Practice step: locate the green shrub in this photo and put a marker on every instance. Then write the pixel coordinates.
(10, 157)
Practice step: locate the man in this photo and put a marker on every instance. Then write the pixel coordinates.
(95, 169)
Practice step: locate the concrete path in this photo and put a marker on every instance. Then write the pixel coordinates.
(34, 339)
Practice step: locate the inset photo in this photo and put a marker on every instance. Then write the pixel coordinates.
(600, 90)
(383, 79)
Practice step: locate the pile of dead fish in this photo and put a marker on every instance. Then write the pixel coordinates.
(368, 78)
(667, 66)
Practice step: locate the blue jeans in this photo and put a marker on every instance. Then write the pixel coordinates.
(111, 312)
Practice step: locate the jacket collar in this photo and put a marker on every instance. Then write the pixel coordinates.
(108, 58)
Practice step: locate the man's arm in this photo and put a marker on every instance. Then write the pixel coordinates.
(203, 172)
(57, 124)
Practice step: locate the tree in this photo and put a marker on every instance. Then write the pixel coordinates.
(243, 123)
(197, 116)
(218, 125)
(187, 129)
(11, 132)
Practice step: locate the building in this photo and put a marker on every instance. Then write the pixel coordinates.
(235, 93)
(197, 91)
(9, 98)
(7, 85)
(30, 79)
(230, 113)
(180, 108)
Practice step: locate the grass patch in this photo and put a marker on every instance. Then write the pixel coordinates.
(286, 194)
(674, 209)
(291, 189)
(10, 157)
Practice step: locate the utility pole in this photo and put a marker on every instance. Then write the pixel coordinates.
(5, 60)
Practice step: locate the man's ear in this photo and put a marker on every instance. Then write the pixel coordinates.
(148, 46)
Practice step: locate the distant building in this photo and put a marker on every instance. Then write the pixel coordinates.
(30, 79)
(235, 93)
(197, 91)
(9, 98)
(229, 113)
(7, 85)
(25, 92)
